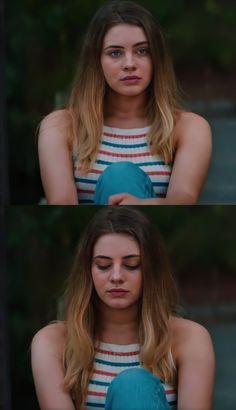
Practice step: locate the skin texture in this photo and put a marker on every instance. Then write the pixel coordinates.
(191, 349)
(129, 56)
(125, 108)
(117, 321)
(116, 265)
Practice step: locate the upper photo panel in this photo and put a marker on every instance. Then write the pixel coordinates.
(121, 103)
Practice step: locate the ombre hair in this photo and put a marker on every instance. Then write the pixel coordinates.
(158, 301)
(86, 103)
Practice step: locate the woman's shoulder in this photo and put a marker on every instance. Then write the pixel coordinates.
(56, 125)
(182, 327)
(50, 337)
(60, 117)
(187, 117)
(187, 336)
(189, 124)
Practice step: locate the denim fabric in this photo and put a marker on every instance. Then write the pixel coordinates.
(123, 177)
(136, 389)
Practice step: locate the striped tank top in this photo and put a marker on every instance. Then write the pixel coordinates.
(110, 360)
(118, 145)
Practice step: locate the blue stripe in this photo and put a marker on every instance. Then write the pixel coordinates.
(100, 161)
(152, 163)
(85, 201)
(98, 383)
(101, 406)
(172, 403)
(120, 364)
(165, 184)
(85, 181)
(111, 144)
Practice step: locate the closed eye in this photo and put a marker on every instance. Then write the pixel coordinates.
(132, 267)
(103, 267)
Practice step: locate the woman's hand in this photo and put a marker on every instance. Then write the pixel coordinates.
(126, 199)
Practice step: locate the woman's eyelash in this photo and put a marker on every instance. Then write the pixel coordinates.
(130, 267)
(143, 51)
(103, 267)
(115, 53)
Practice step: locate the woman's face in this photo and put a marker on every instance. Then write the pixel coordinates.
(116, 270)
(126, 60)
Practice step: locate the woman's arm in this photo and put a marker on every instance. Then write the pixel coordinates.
(195, 363)
(46, 358)
(55, 159)
(192, 158)
(193, 154)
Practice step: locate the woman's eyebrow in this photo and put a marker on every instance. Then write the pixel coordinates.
(109, 258)
(102, 257)
(131, 256)
(134, 45)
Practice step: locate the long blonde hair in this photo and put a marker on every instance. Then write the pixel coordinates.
(158, 302)
(86, 103)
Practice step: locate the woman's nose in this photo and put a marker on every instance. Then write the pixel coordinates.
(117, 274)
(129, 62)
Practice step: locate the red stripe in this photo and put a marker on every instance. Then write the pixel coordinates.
(102, 372)
(117, 353)
(124, 136)
(85, 191)
(94, 393)
(95, 171)
(170, 392)
(159, 173)
(114, 154)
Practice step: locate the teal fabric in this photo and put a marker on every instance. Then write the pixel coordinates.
(136, 389)
(123, 177)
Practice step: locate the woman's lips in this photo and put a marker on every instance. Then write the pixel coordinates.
(117, 293)
(132, 80)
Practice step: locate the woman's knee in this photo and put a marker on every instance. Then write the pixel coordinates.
(135, 377)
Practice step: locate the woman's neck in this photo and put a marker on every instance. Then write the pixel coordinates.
(125, 111)
(118, 327)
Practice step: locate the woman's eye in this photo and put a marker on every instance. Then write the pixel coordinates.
(103, 267)
(132, 267)
(143, 51)
(115, 53)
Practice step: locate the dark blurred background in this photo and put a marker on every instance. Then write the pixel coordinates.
(201, 242)
(42, 43)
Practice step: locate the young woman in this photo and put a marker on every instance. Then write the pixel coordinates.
(124, 138)
(121, 345)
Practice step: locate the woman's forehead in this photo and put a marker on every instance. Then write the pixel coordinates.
(124, 34)
(116, 244)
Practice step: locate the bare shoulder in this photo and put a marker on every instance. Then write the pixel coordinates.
(185, 328)
(189, 337)
(186, 118)
(57, 118)
(189, 124)
(57, 125)
(50, 337)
